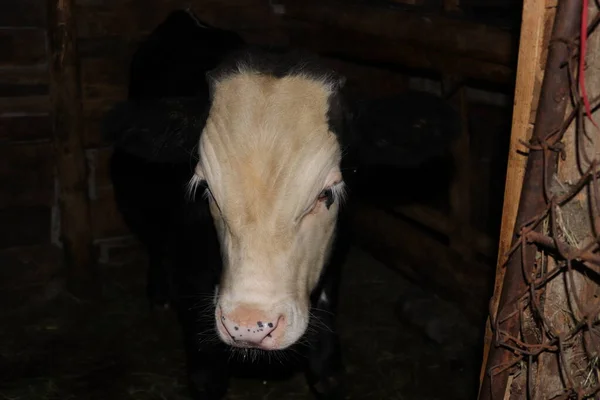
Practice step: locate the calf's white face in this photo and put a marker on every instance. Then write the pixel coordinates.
(272, 167)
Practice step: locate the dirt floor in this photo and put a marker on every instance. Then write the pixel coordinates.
(399, 343)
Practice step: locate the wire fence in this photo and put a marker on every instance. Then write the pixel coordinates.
(550, 324)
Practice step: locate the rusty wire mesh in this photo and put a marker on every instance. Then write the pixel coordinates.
(574, 346)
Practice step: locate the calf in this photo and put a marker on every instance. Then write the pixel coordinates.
(241, 232)
(236, 185)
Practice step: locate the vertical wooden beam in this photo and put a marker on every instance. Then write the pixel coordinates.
(530, 73)
(67, 124)
(553, 100)
(460, 187)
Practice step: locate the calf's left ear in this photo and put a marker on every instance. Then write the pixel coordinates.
(340, 82)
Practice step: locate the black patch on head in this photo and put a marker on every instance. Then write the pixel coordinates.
(291, 63)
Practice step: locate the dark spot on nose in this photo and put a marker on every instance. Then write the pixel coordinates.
(260, 324)
(270, 324)
(269, 335)
(248, 330)
(236, 328)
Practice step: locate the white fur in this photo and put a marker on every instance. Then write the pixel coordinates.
(267, 153)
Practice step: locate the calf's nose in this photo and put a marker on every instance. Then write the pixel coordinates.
(249, 327)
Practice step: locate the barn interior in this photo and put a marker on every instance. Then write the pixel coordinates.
(75, 323)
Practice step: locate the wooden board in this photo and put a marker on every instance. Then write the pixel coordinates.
(93, 111)
(429, 32)
(22, 46)
(25, 128)
(98, 167)
(26, 175)
(67, 122)
(104, 78)
(109, 46)
(369, 81)
(23, 13)
(369, 48)
(24, 105)
(24, 226)
(20, 90)
(27, 275)
(24, 75)
(133, 17)
(536, 18)
(417, 254)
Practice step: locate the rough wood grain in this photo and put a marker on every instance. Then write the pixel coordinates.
(94, 110)
(112, 47)
(104, 78)
(441, 223)
(529, 71)
(433, 32)
(578, 295)
(369, 81)
(24, 226)
(26, 175)
(24, 75)
(25, 128)
(550, 114)
(131, 18)
(352, 45)
(29, 105)
(459, 191)
(28, 275)
(17, 90)
(67, 115)
(23, 13)
(22, 46)
(414, 252)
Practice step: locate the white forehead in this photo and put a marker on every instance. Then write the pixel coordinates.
(266, 144)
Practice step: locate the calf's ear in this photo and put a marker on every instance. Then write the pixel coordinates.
(161, 130)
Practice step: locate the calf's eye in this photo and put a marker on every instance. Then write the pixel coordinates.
(326, 196)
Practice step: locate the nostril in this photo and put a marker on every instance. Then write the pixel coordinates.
(272, 328)
(246, 329)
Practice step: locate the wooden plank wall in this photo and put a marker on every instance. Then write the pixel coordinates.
(26, 165)
(378, 40)
(27, 257)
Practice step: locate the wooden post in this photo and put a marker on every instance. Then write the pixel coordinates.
(67, 123)
(460, 187)
(549, 116)
(530, 73)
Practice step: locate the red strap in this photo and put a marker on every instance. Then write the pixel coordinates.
(582, 52)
